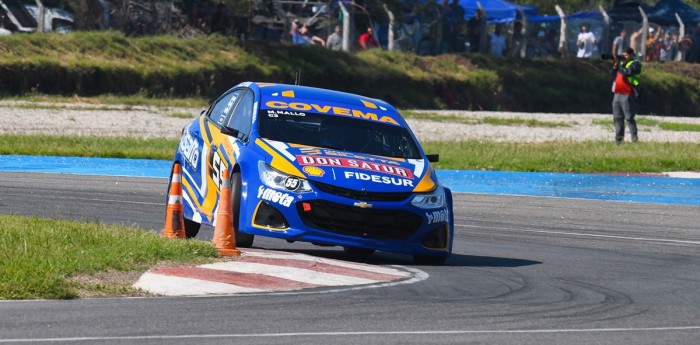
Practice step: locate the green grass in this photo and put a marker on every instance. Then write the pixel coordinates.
(470, 120)
(665, 125)
(98, 63)
(100, 102)
(497, 121)
(76, 146)
(38, 257)
(581, 157)
(182, 115)
(597, 156)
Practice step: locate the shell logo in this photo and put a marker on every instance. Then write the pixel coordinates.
(313, 171)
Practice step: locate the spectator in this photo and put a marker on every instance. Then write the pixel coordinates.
(636, 40)
(201, 15)
(516, 40)
(367, 40)
(335, 40)
(497, 41)
(666, 48)
(552, 43)
(453, 14)
(310, 39)
(585, 42)
(220, 21)
(684, 47)
(294, 33)
(624, 103)
(653, 44)
(539, 48)
(620, 44)
(694, 55)
(474, 31)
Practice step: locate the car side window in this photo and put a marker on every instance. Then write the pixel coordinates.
(222, 107)
(242, 117)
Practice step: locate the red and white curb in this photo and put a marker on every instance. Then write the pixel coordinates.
(259, 271)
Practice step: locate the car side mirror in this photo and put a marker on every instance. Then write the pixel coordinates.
(202, 112)
(434, 158)
(229, 131)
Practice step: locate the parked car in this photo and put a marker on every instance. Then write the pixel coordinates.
(315, 165)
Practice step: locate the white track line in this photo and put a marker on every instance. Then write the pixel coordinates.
(339, 334)
(663, 240)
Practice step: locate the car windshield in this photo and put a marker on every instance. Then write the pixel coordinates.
(338, 133)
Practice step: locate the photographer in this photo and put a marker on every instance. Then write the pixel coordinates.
(626, 72)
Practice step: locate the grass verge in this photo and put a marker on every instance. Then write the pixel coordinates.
(582, 157)
(42, 258)
(665, 125)
(100, 102)
(88, 146)
(469, 120)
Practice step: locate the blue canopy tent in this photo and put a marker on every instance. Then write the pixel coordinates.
(497, 11)
(664, 13)
(627, 11)
(574, 16)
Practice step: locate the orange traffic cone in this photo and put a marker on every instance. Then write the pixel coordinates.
(174, 221)
(224, 238)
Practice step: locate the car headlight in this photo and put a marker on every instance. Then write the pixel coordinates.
(279, 180)
(434, 199)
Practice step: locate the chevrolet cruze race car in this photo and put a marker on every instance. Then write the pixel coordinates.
(315, 165)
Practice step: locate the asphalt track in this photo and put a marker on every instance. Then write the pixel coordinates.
(526, 270)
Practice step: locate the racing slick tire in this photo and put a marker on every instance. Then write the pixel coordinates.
(243, 240)
(191, 228)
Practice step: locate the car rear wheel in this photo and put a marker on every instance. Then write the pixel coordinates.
(191, 228)
(243, 240)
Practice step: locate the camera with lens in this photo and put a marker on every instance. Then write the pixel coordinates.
(612, 57)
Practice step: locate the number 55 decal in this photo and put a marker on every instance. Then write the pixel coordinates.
(217, 164)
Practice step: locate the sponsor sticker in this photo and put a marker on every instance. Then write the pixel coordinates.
(190, 149)
(441, 216)
(396, 181)
(354, 164)
(328, 109)
(274, 196)
(314, 171)
(292, 183)
(217, 164)
(277, 113)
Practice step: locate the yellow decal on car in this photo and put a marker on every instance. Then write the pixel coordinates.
(278, 161)
(369, 104)
(426, 184)
(327, 109)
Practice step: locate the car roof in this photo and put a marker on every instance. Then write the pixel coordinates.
(307, 94)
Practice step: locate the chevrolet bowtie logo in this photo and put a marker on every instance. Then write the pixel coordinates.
(362, 204)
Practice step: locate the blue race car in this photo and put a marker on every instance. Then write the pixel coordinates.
(315, 165)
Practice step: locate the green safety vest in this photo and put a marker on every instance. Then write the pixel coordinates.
(633, 79)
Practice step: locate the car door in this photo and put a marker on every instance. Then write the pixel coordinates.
(216, 119)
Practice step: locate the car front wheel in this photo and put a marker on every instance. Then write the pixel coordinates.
(243, 240)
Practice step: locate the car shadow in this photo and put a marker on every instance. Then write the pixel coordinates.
(381, 258)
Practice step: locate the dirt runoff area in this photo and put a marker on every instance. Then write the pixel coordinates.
(21, 117)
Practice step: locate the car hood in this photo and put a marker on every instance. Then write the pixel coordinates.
(350, 170)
